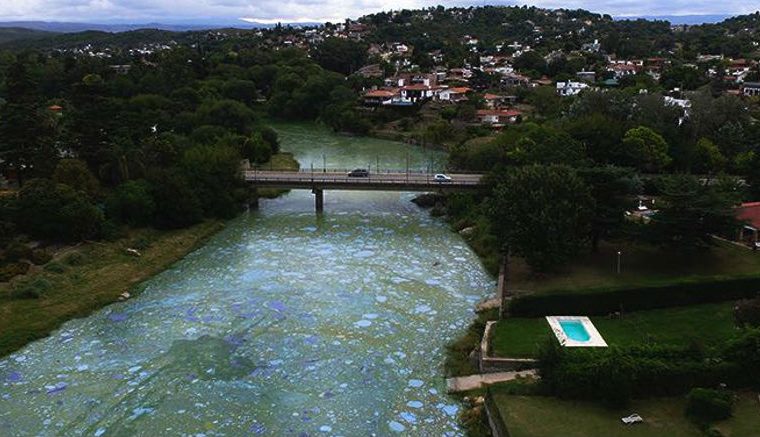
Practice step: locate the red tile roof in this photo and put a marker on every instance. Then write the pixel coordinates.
(379, 93)
(749, 213)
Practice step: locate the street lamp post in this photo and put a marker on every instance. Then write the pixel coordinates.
(618, 261)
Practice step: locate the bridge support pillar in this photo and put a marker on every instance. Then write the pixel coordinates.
(319, 199)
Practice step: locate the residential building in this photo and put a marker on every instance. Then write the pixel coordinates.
(499, 117)
(570, 88)
(751, 89)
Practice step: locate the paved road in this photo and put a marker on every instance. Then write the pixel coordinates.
(341, 180)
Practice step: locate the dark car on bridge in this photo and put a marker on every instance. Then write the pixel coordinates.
(359, 173)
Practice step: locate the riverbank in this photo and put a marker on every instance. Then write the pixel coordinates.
(84, 278)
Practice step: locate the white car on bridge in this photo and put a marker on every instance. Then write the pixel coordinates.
(440, 177)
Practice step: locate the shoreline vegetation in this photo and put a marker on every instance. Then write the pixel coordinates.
(88, 276)
(84, 278)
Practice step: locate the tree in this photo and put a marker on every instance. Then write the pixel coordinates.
(644, 149)
(214, 174)
(56, 211)
(708, 159)
(530, 143)
(177, 205)
(690, 211)
(75, 174)
(599, 134)
(340, 55)
(24, 146)
(229, 114)
(541, 213)
(132, 203)
(610, 188)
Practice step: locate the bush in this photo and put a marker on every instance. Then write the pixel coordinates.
(55, 267)
(747, 312)
(9, 271)
(75, 259)
(31, 289)
(605, 301)
(616, 375)
(17, 251)
(706, 405)
(40, 257)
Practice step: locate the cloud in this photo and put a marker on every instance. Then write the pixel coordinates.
(318, 10)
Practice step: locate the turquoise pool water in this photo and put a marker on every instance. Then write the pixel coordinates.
(574, 330)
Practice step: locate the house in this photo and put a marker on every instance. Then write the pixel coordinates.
(379, 97)
(570, 88)
(749, 214)
(751, 89)
(622, 70)
(417, 92)
(459, 74)
(514, 79)
(454, 95)
(586, 76)
(499, 117)
(494, 101)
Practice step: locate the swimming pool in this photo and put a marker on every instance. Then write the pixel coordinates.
(575, 331)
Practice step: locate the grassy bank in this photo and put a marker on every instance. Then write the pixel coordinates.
(641, 265)
(708, 325)
(84, 278)
(538, 416)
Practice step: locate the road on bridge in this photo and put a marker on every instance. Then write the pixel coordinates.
(340, 180)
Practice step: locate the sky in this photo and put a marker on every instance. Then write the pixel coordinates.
(167, 11)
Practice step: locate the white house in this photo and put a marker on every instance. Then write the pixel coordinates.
(751, 89)
(570, 88)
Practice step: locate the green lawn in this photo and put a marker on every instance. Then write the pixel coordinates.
(640, 265)
(538, 416)
(707, 324)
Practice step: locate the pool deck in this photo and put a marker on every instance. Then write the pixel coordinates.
(595, 338)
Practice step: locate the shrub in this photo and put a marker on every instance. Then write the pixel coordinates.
(31, 289)
(55, 267)
(706, 405)
(9, 271)
(747, 312)
(75, 259)
(615, 375)
(40, 257)
(17, 251)
(605, 301)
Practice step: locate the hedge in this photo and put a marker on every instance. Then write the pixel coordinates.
(606, 301)
(615, 375)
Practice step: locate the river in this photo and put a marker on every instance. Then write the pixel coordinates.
(284, 324)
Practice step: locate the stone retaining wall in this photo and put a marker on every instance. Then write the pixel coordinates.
(490, 364)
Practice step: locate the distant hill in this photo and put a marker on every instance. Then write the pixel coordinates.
(680, 19)
(71, 27)
(8, 34)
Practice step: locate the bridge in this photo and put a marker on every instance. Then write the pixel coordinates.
(319, 180)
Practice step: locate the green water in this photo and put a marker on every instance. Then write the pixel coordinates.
(284, 324)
